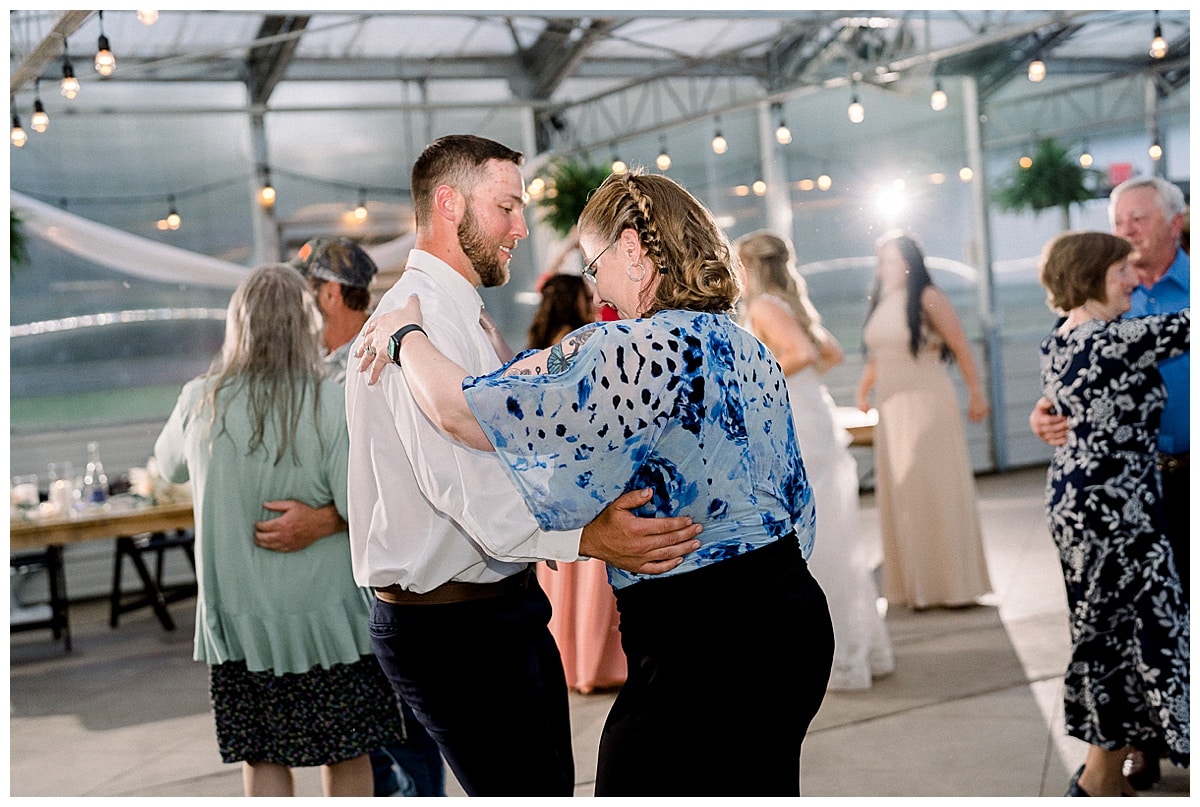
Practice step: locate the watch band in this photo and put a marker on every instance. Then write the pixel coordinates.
(393, 348)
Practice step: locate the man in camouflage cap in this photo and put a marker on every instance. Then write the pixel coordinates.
(340, 274)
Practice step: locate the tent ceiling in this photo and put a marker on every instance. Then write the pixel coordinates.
(201, 96)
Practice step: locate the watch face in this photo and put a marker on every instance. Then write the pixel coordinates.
(393, 350)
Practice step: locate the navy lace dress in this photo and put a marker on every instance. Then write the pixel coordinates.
(1127, 683)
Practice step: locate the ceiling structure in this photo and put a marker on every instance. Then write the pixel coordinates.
(337, 104)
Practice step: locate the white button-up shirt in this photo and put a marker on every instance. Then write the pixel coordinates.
(424, 509)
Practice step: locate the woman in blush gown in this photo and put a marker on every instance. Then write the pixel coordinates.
(779, 312)
(584, 618)
(928, 513)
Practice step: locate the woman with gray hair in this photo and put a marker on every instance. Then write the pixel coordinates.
(293, 681)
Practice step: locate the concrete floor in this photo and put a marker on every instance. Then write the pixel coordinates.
(974, 707)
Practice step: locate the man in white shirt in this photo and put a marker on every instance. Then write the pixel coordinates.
(437, 529)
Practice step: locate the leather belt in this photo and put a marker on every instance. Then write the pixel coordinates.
(1174, 462)
(455, 591)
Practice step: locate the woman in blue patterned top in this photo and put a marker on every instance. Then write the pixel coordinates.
(1127, 684)
(735, 642)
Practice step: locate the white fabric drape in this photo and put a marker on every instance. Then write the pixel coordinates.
(149, 259)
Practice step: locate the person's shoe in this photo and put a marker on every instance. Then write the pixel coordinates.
(1142, 770)
(1073, 788)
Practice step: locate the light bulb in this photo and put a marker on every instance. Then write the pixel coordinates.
(966, 174)
(148, 17)
(1156, 151)
(1158, 45)
(719, 144)
(759, 187)
(173, 220)
(938, 100)
(266, 196)
(106, 63)
(663, 161)
(1026, 162)
(70, 85)
(40, 121)
(855, 111)
(783, 135)
(824, 182)
(1037, 70)
(1085, 160)
(619, 166)
(17, 134)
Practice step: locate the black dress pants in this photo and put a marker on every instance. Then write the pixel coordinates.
(486, 680)
(728, 664)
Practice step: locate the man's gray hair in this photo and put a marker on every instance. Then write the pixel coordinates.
(1167, 196)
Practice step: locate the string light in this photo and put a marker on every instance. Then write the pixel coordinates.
(1037, 70)
(855, 111)
(1026, 162)
(938, 100)
(759, 187)
(1156, 151)
(360, 212)
(618, 165)
(1085, 158)
(266, 194)
(824, 182)
(17, 134)
(106, 63)
(783, 135)
(966, 174)
(172, 214)
(148, 17)
(1158, 45)
(70, 85)
(663, 160)
(40, 121)
(719, 144)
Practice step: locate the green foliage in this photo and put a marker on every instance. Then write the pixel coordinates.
(1054, 180)
(18, 248)
(568, 188)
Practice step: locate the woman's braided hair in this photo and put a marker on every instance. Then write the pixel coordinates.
(681, 239)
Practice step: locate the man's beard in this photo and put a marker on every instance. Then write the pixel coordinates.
(481, 251)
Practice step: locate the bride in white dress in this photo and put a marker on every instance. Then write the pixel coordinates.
(778, 312)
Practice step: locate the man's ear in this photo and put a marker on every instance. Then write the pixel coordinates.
(448, 203)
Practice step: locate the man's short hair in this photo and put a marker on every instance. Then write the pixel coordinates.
(457, 161)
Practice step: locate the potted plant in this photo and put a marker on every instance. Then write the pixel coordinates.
(1054, 179)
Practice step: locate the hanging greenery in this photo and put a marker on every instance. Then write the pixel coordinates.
(1055, 179)
(569, 186)
(18, 247)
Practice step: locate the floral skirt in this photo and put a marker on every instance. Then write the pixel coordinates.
(304, 719)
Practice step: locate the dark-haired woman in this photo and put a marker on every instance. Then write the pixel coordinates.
(924, 485)
(1127, 683)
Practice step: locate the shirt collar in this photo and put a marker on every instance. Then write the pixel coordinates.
(445, 276)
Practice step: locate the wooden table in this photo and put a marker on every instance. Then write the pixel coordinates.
(43, 532)
(861, 425)
(121, 524)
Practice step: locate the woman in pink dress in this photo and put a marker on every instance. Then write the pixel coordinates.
(584, 620)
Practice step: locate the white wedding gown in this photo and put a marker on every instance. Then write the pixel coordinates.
(843, 561)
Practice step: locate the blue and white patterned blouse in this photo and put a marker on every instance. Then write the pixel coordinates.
(688, 404)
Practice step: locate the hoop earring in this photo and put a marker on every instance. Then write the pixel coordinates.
(629, 274)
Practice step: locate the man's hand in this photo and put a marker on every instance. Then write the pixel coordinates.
(299, 526)
(635, 544)
(1049, 427)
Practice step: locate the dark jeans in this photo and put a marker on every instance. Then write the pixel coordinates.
(486, 680)
(412, 767)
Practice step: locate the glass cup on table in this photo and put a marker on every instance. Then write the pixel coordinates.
(24, 495)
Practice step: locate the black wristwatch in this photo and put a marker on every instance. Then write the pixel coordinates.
(393, 348)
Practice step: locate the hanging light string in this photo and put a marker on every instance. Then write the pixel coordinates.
(40, 121)
(105, 62)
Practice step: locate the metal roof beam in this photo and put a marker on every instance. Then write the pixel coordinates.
(267, 63)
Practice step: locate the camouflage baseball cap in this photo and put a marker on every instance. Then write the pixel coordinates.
(336, 259)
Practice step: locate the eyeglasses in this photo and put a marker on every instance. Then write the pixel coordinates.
(589, 271)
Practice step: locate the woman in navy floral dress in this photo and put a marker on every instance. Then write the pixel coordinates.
(1127, 683)
(734, 643)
